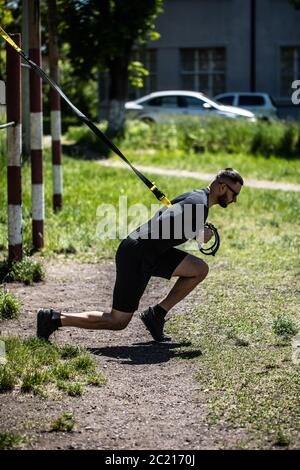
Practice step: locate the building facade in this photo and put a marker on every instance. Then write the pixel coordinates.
(218, 46)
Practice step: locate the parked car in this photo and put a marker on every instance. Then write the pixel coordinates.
(162, 106)
(261, 104)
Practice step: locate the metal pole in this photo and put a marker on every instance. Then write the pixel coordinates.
(25, 82)
(14, 148)
(55, 108)
(36, 131)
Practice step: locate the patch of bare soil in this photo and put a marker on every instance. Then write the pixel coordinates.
(151, 400)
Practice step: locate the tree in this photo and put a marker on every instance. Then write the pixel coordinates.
(6, 19)
(102, 33)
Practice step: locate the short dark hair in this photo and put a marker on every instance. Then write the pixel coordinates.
(229, 174)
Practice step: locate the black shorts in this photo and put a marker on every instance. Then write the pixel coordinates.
(135, 264)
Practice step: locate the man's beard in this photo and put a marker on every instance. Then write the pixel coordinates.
(222, 201)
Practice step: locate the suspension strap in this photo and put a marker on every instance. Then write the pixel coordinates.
(211, 250)
(157, 193)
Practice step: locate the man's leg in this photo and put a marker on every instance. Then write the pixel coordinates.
(129, 287)
(191, 271)
(50, 320)
(114, 320)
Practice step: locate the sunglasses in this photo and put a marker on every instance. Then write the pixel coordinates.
(234, 192)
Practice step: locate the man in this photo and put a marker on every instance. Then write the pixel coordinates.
(150, 251)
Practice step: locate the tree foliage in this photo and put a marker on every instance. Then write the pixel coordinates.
(102, 33)
(7, 13)
(99, 31)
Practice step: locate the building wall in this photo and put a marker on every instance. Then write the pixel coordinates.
(278, 24)
(226, 23)
(203, 23)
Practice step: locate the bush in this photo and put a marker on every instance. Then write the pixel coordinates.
(8, 379)
(285, 326)
(10, 440)
(190, 134)
(290, 142)
(85, 137)
(63, 423)
(26, 271)
(10, 307)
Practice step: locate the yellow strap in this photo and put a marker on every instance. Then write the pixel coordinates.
(9, 40)
(166, 201)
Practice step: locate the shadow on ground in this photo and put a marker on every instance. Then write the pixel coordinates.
(81, 152)
(146, 353)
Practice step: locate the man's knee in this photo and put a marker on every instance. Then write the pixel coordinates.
(120, 325)
(120, 319)
(203, 271)
(199, 269)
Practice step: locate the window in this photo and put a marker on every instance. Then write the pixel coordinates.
(193, 102)
(148, 58)
(227, 100)
(154, 102)
(163, 101)
(204, 70)
(169, 102)
(290, 69)
(251, 100)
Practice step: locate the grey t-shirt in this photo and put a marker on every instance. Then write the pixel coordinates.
(173, 226)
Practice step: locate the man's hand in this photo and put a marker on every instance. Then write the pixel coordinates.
(204, 236)
(208, 233)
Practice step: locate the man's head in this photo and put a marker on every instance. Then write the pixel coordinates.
(226, 187)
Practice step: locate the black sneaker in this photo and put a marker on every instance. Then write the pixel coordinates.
(47, 322)
(154, 324)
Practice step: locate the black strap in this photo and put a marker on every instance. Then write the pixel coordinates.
(212, 249)
(86, 120)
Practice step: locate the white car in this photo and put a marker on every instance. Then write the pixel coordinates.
(261, 104)
(162, 106)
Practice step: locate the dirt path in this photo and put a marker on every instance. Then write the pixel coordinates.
(201, 176)
(151, 400)
(251, 183)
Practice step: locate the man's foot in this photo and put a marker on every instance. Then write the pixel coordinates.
(48, 321)
(154, 324)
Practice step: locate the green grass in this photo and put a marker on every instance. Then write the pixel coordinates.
(64, 423)
(285, 326)
(250, 166)
(73, 232)
(97, 379)
(247, 312)
(8, 379)
(10, 307)
(73, 390)
(10, 440)
(261, 151)
(37, 367)
(68, 352)
(246, 371)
